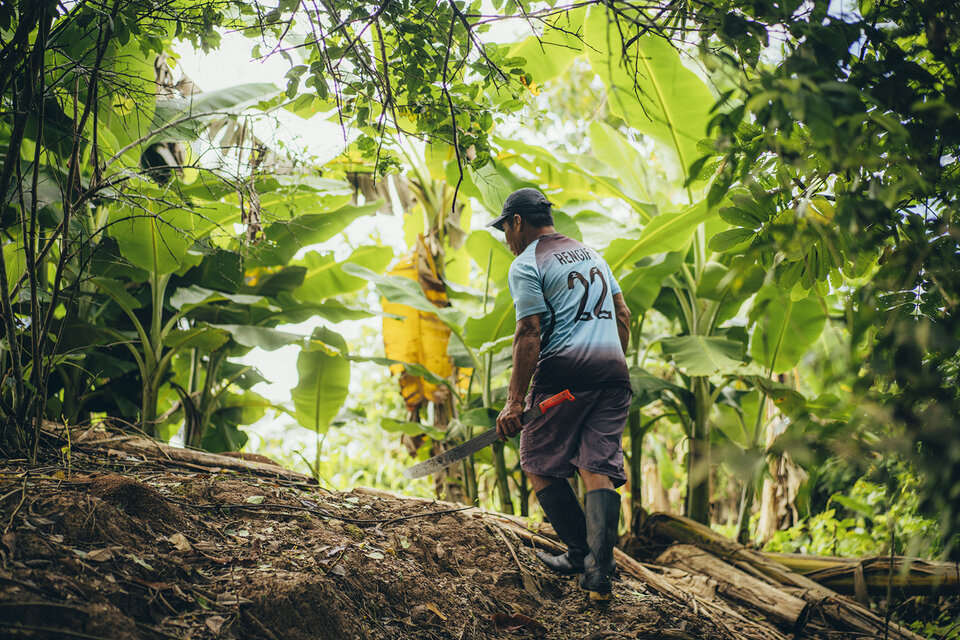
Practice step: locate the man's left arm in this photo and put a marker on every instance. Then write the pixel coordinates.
(623, 320)
(526, 351)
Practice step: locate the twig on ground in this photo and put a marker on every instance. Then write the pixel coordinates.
(381, 522)
(23, 497)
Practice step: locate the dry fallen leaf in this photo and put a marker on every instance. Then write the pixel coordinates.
(9, 540)
(100, 555)
(512, 622)
(433, 607)
(231, 600)
(180, 542)
(215, 623)
(159, 586)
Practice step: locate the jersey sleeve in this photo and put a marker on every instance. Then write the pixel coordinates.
(614, 286)
(526, 288)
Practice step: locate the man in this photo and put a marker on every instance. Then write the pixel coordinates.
(572, 332)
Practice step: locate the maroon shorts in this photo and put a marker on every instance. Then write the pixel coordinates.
(582, 434)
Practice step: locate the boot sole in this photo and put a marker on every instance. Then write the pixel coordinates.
(600, 597)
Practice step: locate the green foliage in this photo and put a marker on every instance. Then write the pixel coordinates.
(766, 210)
(864, 522)
(324, 380)
(649, 87)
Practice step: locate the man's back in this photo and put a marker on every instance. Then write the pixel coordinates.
(573, 288)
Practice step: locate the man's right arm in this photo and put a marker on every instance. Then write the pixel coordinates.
(526, 352)
(623, 320)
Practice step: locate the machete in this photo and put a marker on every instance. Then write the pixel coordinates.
(485, 439)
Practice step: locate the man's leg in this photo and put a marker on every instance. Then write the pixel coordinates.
(540, 482)
(594, 481)
(602, 514)
(601, 451)
(560, 503)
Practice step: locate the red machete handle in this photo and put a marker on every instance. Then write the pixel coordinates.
(563, 396)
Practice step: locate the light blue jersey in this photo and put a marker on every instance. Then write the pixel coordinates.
(572, 289)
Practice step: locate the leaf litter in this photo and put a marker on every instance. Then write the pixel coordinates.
(128, 549)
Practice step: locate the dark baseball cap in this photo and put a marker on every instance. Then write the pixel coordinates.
(522, 202)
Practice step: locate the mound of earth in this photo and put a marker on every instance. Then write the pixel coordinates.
(123, 545)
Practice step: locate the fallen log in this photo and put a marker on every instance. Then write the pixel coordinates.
(909, 575)
(152, 449)
(839, 611)
(781, 608)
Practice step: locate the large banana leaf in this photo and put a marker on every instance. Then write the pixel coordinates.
(666, 232)
(634, 171)
(331, 310)
(649, 88)
(405, 291)
(263, 337)
(496, 324)
(580, 177)
(703, 355)
(783, 329)
(220, 269)
(326, 278)
(480, 245)
(641, 286)
(570, 177)
(186, 298)
(284, 239)
(15, 258)
(133, 100)
(156, 241)
(205, 338)
(200, 105)
(548, 55)
(324, 375)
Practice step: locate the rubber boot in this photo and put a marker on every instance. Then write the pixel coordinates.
(563, 511)
(603, 516)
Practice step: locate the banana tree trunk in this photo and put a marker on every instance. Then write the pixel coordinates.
(503, 478)
(449, 482)
(148, 409)
(636, 467)
(698, 458)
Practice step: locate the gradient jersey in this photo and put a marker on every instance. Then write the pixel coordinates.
(572, 288)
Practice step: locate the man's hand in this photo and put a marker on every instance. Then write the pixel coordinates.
(508, 422)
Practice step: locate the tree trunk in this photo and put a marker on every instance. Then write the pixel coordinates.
(654, 495)
(784, 610)
(909, 575)
(698, 456)
(636, 463)
(503, 483)
(449, 483)
(840, 611)
(780, 490)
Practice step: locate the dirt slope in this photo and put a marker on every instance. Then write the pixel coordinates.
(121, 547)
(118, 537)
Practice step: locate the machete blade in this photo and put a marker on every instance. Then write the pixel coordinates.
(447, 458)
(461, 451)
